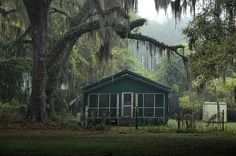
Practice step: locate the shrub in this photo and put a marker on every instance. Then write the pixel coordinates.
(61, 105)
(11, 112)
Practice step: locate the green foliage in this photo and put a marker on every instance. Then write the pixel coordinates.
(172, 72)
(222, 91)
(211, 36)
(11, 80)
(13, 105)
(61, 105)
(195, 103)
(11, 112)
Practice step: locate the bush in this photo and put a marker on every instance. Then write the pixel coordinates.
(11, 112)
(61, 105)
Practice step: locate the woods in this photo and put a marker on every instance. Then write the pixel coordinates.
(117, 77)
(50, 62)
(36, 28)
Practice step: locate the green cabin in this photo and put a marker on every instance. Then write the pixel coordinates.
(126, 97)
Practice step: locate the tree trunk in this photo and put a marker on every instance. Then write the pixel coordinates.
(37, 12)
(54, 74)
(60, 56)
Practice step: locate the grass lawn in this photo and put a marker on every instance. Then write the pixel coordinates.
(122, 141)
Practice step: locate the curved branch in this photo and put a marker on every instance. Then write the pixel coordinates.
(121, 30)
(58, 10)
(141, 37)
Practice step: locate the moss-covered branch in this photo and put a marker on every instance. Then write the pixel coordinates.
(58, 10)
(121, 30)
(156, 43)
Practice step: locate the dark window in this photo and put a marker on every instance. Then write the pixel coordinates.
(148, 112)
(127, 99)
(140, 112)
(113, 100)
(120, 100)
(148, 100)
(134, 112)
(159, 112)
(104, 100)
(103, 112)
(159, 100)
(126, 111)
(134, 100)
(120, 111)
(140, 100)
(113, 113)
(93, 101)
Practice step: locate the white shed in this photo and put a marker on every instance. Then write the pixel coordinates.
(210, 109)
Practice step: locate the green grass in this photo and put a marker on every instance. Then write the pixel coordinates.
(122, 141)
(148, 140)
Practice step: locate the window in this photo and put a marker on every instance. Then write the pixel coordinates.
(104, 100)
(159, 100)
(140, 100)
(127, 111)
(127, 99)
(103, 105)
(148, 112)
(113, 102)
(93, 100)
(150, 105)
(103, 112)
(140, 112)
(113, 112)
(148, 100)
(159, 112)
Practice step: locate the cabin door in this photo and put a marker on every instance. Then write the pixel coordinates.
(127, 104)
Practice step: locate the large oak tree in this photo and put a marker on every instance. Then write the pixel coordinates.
(103, 16)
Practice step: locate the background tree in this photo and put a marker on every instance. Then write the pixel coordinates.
(210, 35)
(53, 42)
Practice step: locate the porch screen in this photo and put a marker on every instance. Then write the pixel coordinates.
(150, 105)
(102, 105)
(93, 101)
(113, 105)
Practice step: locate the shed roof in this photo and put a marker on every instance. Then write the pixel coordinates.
(121, 75)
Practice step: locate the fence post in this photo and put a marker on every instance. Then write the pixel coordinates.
(86, 117)
(178, 118)
(136, 117)
(223, 118)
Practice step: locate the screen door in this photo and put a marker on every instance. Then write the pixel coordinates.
(127, 104)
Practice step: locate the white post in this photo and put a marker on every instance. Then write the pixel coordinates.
(86, 116)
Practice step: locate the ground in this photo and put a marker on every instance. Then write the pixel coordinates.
(117, 141)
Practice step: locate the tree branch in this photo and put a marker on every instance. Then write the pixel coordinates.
(121, 30)
(102, 12)
(144, 38)
(58, 10)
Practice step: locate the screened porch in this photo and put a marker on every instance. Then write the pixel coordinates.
(113, 105)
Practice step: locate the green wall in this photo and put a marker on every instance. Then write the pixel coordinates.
(128, 85)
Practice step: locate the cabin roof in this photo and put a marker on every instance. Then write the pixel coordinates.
(121, 75)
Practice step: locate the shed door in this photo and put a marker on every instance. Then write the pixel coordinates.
(127, 104)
